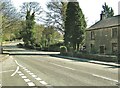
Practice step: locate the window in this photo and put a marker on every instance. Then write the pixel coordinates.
(92, 35)
(114, 48)
(114, 32)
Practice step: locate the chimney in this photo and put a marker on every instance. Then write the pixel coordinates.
(102, 16)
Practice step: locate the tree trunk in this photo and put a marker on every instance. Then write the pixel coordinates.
(74, 46)
(78, 46)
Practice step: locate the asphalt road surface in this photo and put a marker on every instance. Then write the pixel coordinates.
(40, 69)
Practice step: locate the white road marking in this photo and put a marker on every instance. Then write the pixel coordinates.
(34, 76)
(6, 71)
(24, 67)
(26, 80)
(63, 66)
(17, 62)
(105, 78)
(21, 74)
(28, 71)
(31, 73)
(43, 82)
(31, 84)
(38, 79)
(23, 77)
(15, 71)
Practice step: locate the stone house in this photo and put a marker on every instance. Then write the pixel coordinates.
(102, 37)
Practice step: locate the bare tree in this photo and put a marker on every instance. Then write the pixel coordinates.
(56, 14)
(32, 7)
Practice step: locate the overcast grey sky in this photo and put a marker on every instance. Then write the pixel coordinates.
(90, 8)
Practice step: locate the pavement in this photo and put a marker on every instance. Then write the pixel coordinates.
(3, 57)
(90, 61)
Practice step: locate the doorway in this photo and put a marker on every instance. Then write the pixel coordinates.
(102, 49)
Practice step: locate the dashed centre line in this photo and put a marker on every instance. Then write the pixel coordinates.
(31, 84)
(26, 80)
(38, 79)
(43, 82)
(34, 76)
(21, 74)
(24, 67)
(24, 77)
(31, 73)
(28, 71)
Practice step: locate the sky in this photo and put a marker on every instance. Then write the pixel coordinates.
(90, 8)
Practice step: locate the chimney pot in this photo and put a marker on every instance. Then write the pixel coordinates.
(102, 16)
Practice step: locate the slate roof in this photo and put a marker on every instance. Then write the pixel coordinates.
(108, 22)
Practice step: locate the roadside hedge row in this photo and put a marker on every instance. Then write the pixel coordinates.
(97, 57)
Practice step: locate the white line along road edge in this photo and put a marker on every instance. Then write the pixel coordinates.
(105, 78)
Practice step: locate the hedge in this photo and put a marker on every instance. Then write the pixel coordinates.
(98, 57)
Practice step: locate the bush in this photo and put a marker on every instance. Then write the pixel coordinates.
(63, 50)
(54, 47)
(106, 58)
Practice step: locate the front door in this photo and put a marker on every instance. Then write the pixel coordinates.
(102, 49)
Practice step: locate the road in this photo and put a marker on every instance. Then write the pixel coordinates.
(37, 68)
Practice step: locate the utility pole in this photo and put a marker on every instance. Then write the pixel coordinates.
(118, 34)
(1, 34)
(119, 42)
